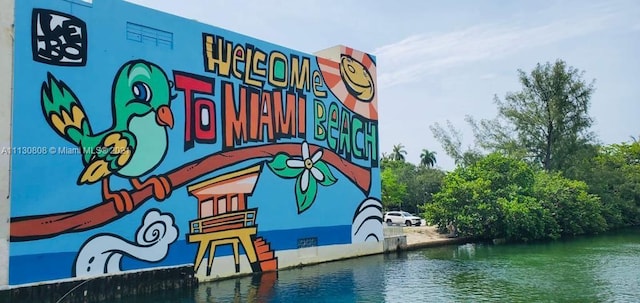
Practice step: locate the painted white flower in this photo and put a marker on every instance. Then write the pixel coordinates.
(307, 163)
(302, 169)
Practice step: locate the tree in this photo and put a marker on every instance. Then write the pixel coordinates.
(613, 174)
(427, 158)
(419, 183)
(428, 182)
(393, 192)
(398, 153)
(548, 119)
(451, 141)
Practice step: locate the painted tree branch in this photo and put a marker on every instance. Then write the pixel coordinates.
(51, 225)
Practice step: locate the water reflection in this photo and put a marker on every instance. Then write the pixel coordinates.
(356, 280)
(257, 288)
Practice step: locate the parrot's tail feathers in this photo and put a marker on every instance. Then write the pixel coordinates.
(63, 111)
(94, 172)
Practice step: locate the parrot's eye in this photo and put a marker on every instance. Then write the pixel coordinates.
(141, 91)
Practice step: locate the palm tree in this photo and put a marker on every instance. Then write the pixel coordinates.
(398, 152)
(428, 158)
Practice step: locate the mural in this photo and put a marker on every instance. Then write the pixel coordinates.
(219, 128)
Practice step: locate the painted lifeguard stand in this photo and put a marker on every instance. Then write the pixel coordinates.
(224, 219)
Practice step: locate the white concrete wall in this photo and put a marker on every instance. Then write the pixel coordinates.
(331, 53)
(6, 100)
(225, 267)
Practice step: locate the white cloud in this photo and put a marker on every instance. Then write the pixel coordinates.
(409, 59)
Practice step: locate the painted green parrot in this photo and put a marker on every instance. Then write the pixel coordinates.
(137, 141)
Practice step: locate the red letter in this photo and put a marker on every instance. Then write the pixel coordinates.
(191, 84)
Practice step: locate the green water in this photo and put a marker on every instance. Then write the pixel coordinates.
(603, 268)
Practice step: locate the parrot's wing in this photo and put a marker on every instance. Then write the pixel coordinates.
(113, 153)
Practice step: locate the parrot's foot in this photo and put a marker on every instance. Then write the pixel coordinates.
(121, 199)
(160, 185)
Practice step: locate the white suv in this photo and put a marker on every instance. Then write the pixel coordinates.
(401, 217)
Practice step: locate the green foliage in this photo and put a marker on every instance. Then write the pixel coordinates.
(547, 122)
(398, 152)
(503, 197)
(575, 210)
(451, 141)
(526, 219)
(393, 192)
(613, 174)
(428, 181)
(471, 196)
(419, 183)
(427, 158)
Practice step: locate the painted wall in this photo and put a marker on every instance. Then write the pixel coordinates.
(6, 71)
(143, 140)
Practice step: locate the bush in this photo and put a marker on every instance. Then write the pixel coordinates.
(475, 197)
(576, 211)
(501, 197)
(528, 220)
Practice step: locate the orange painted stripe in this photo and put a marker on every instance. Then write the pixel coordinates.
(366, 61)
(350, 102)
(215, 220)
(331, 79)
(348, 51)
(373, 111)
(327, 62)
(222, 227)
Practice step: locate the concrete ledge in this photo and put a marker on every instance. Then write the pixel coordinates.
(440, 242)
(105, 288)
(394, 243)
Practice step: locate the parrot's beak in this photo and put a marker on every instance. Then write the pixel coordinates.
(164, 116)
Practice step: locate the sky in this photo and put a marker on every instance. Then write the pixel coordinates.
(439, 61)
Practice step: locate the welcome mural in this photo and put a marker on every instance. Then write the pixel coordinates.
(144, 140)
